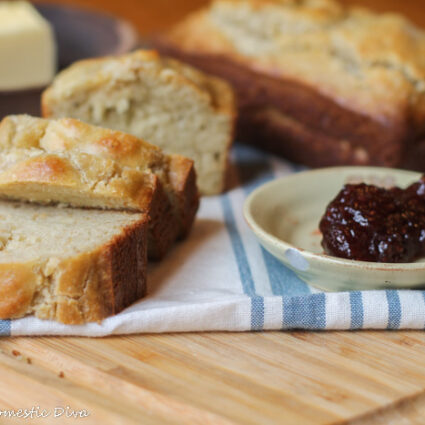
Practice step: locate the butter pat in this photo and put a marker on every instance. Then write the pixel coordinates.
(27, 47)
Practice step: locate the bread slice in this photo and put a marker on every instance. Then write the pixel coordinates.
(161, 100)
(70, 265)
(81, 165)
(75, 179)
(317, 81)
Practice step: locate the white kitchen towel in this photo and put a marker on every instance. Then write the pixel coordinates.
(220, 278)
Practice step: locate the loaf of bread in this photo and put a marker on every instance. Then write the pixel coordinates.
(73, 163)
(169, 104)
(318, 82)
(70, 265)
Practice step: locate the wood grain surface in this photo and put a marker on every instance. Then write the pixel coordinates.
(357, 378)
(221, 378)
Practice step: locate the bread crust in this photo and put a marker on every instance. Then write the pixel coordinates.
(322, 119)
(214, 91)
(83, 288)
(182, 176)
(49, 178)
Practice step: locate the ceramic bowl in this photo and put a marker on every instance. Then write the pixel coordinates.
(285, 214)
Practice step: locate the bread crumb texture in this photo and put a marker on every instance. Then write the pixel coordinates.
(65, 264)
(158, 99)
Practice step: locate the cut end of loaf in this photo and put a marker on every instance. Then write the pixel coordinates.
(160, 100)
(70, 265)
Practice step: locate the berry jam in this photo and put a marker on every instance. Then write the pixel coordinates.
(369, 223)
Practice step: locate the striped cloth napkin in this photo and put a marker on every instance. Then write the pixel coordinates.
(220, 278)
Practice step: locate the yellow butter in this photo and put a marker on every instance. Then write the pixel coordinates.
(27, 47)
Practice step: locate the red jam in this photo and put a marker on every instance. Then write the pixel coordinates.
(369, 223)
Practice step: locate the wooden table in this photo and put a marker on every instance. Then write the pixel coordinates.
(219, 378)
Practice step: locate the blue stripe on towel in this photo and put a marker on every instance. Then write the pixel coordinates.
(255, 169)
(307, 312)
(283, 281)
(238, 248)
(257, 303)
(5, 327)
(356, 303)
(394, 309)
(257, 313)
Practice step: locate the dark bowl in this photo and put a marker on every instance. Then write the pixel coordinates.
(80, 34)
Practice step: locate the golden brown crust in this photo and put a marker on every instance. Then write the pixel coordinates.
(57, 177)
(24, 131)
(17, 288)
(87, 287)
(44, 169)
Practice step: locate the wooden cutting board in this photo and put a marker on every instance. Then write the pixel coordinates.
(220, 378)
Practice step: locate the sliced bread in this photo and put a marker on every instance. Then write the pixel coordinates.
(161, 100)
(81, 165)
(70, 265)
